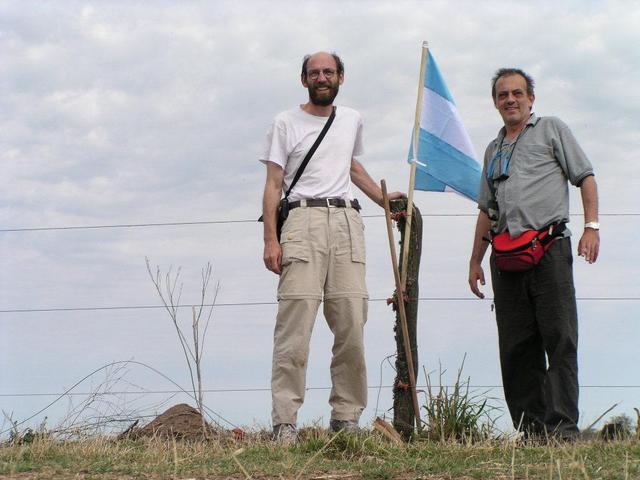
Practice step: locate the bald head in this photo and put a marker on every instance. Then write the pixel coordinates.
(339, 66)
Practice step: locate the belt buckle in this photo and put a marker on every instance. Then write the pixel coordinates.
(328, 202)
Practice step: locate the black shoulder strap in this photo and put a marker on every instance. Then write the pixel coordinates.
(311, 151)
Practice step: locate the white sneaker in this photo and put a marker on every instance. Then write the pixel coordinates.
(285, 433)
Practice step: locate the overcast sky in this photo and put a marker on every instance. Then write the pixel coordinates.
(129, 113)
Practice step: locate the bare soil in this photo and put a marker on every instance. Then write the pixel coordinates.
(181, 421)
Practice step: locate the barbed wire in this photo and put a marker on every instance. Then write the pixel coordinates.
(257, 304)
(250, 390)
(224, 222)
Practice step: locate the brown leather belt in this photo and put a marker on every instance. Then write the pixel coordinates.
(325, 202)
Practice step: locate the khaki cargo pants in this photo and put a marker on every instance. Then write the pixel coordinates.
(323, 257)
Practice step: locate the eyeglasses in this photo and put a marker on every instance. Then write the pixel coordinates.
(327, 72)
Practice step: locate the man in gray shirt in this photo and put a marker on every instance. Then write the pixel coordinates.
(524, 187)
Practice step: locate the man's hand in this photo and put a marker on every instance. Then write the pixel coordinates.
(476, 273)
(395, 196)
(273, 256)
(272, 191)
(589, 245)
(477, 253)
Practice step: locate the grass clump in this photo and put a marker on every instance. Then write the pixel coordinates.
(456, 413)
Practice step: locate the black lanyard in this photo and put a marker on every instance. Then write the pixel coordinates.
(507, 159)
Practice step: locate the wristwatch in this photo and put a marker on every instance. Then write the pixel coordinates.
(592, 225)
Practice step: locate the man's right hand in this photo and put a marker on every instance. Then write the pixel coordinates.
(476, 273)
(273, 256)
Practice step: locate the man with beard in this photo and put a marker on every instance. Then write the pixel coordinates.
(320, 255)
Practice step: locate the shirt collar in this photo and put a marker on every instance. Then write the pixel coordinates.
(533, 119)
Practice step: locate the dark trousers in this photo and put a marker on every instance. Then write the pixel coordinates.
(536, 316)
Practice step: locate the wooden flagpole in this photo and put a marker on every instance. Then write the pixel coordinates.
(401, 309)
(412, 175)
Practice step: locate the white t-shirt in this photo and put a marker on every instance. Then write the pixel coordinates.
(292, 134)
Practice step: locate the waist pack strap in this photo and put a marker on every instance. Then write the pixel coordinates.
(554, 230)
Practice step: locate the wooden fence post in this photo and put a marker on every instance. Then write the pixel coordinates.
(403, 417)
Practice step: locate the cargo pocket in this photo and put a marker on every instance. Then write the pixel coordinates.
(356, 231)
(294, 247)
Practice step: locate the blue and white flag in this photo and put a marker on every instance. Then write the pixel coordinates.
(446, 159)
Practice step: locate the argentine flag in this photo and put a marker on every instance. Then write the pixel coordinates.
(446, 160)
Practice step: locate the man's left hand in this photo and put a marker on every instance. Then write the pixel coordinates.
(396, 195)
(393, 196)
(589, 245)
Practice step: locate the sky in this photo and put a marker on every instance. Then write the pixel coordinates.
(146, 119)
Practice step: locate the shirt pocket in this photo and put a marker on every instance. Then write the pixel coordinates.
(535, 159)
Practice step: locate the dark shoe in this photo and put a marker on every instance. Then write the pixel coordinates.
(349, 426)
(570, 436)
(285, 433)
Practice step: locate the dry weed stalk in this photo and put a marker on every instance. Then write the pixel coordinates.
(97, 414)
(94, 415)
(170, 292)
(234, 456)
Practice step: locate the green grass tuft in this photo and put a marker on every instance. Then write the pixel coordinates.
(457, 414)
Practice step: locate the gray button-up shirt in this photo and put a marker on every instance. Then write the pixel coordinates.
(534, 192)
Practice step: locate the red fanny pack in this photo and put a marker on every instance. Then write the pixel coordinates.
(525, 251)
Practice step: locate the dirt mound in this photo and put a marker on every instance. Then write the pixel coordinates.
(181, 421)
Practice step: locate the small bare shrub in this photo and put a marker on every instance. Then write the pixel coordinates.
(170, 291)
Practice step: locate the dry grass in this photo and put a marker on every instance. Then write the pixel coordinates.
(319, 455)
